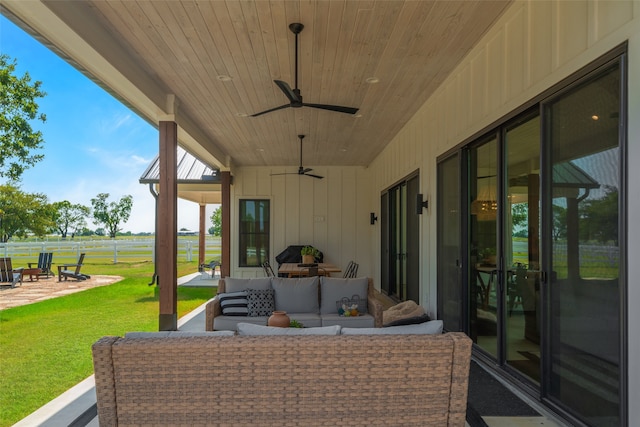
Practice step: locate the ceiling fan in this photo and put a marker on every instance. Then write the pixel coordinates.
(301, 170)
(295, 99)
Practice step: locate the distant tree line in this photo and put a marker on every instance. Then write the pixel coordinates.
(23, 214)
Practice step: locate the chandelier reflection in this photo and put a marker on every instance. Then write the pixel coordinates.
(485, 206)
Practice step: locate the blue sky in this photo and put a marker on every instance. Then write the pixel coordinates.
(92, 143)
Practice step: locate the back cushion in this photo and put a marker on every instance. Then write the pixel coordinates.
(433, 327)
(334, 289)
(299, 295)
(237, 285)
(253, 330)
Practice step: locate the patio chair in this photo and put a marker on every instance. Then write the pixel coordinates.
(44, 264)
(351, 270)
(63, 271)
(8, 275)
(213, 265)
(268, 271)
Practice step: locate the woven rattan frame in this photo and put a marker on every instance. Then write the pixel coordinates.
(399, 380)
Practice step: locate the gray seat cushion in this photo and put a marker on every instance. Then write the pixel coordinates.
(363, 321)
(229, 323)
(308, 320)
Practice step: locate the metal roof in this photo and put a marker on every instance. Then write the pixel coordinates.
(190, 170)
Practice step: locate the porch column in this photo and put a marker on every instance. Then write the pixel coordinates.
(167, 240)
(201, 237)
(225, 204)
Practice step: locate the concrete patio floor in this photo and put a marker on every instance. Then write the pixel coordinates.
(76, 407)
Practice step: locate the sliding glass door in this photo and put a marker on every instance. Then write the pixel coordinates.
(584, 260)
(521, 246)
(536, 280)
(400, 263)
(483, 245)
(451, 303)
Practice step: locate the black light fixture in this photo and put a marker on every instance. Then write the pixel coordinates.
(421, 204)
(373, 218)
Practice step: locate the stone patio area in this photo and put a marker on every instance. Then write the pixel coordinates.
(47, 288)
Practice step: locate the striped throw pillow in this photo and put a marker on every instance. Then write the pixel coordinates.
(234, 303)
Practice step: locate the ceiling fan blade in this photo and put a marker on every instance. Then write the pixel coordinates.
(305, 170)
(270, 110)
(284, 87)
(338, 108)
(285, 173)
(313, 176)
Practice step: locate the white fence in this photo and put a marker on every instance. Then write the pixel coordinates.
(115, 250)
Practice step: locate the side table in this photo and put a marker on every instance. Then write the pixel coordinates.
(32, 272)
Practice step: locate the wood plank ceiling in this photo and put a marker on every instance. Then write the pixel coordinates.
(187, 48)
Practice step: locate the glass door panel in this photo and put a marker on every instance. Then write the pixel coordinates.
(584, 282)
(521, 247)
(449, 263)
(483, 271)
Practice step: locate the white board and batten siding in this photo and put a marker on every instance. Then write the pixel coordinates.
(532, 46)
(331, 214)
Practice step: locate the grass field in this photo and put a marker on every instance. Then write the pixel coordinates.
(45, 348)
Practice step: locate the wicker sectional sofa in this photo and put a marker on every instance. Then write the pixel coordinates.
(310, 300)
(355, 380)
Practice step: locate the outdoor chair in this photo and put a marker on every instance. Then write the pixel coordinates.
(64, 271)
(8, 275)
(44, 264)
(268, 271)
(351, 270)
(213, 265)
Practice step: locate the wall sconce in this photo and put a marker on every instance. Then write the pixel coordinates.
(373, 218)
(420, 204)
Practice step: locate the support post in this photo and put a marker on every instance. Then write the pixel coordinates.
(225, 268)
(202, 248)
(166, 258)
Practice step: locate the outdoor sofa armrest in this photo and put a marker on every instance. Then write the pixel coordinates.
(212, 310)
(65, 266)
(374, 306)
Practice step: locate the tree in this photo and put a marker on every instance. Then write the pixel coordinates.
(599, 217)
(216, 219)
(22, 213)
(559, 222)
(69, 217)
(18, 140)
(111, 214)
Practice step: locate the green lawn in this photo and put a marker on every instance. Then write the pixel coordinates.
(45, 348)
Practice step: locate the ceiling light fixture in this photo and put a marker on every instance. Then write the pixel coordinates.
(224, 78)
(372, 80)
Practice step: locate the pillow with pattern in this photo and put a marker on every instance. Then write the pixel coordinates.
(260, 302)
(234, 303)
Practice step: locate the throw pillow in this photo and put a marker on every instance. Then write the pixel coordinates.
(232, 284)
(234, 303)
(249, 329)
(333, 289)
(403, 310)
(296, 295)
(427, 328)
(409, 321)
(260, 302)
